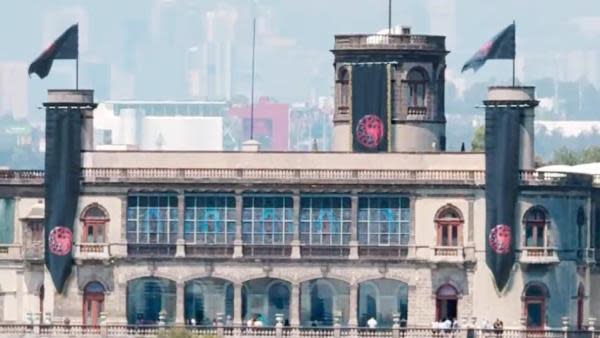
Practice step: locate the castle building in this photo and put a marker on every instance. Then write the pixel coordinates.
(311, 238)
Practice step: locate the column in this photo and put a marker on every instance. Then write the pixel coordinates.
(295, 305)
(180, 304)
(296, 226)
(237, 304)
(353, 308)
(412, 251)
(237, 243)
(353, 226)
(180, 222)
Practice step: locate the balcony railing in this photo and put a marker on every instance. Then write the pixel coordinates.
(391, 252)
(447, 251)
(122, 331)
(416, 113)
(539, 255)
(209, 250)
(267, 250)
(151, 250)
(385, 41)
(324, 251)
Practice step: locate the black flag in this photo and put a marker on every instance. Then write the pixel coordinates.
(501, 189)
(63, 163)
(501, 46)
(370, 116)
(65, 47)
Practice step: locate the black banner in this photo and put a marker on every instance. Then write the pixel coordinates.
(64, 48)
(370, 116)
(501, 189)
(63, 163)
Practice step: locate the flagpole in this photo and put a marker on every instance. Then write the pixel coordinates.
(515, 55)
(252, 86)
(389, 17)
(77, 72)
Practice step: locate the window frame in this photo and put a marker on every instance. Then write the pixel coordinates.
(446, 225)
(227, 236)
(531, 300)
(287, 224)
(536, 225)
(143, 227)
(342, 235)
(403, 237)
(97, 224)
(412, 87)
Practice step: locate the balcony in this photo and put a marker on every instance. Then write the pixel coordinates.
(10, 251)
(448, 254)
(416, 113)
(392, 252)
(92, 251)
(209, 250)
(33, 251)
(534, 256)
(151, 250)
(267, 250)
(325, 251)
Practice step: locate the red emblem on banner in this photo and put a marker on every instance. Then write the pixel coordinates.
(369, 131)
(500, 239)
(60, 241)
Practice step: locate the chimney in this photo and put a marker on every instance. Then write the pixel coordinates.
(76, 101)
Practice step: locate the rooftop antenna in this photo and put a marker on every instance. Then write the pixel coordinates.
(389, 17)
(252, 85)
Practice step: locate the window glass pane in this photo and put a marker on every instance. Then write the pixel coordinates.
(210, 215)
(325, 220)
(534, 315)
(267, 219)
(383, 220)
(152, 219)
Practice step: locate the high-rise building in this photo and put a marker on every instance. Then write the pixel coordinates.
(13, 89)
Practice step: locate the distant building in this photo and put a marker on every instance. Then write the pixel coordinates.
(271, 121)
(13, 89)
(309, 125)
(162, 125)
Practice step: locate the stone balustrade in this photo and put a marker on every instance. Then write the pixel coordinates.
(386, 41)
(122, 331)
(299, 176)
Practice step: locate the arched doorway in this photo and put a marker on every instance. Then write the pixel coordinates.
(534, 305)
(264, 298)
(93, 303)
(147, 298)
(321, 300)
(381, 299)
(446, 303)
(205, 298)
(580, 303)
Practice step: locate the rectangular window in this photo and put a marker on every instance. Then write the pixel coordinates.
(209, 219)
(152, 219)
(325, 220)
(7, 213)
(267, 220)
(383, 220)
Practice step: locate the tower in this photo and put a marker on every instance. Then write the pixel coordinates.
(416, 65)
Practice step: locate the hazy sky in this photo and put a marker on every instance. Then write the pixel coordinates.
(142, 44)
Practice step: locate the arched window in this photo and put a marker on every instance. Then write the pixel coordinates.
(441, 90)
(580, 303)
(382, 299)
(204, 298)
(449, 223)
(93, 303)
(322, 299)
(581, 228)
(149, 299)
(94, 219)
(534, 305)
(446, 303)
(536, 228)
(416, 88)
(344, 84)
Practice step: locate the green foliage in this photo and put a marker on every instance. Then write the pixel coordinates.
(478, 142)
(177, 333)
(564, 155)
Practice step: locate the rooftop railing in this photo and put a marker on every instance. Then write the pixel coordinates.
(323, 176)
(385, 41)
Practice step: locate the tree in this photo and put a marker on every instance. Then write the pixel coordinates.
(478, 142)
(564, 155)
